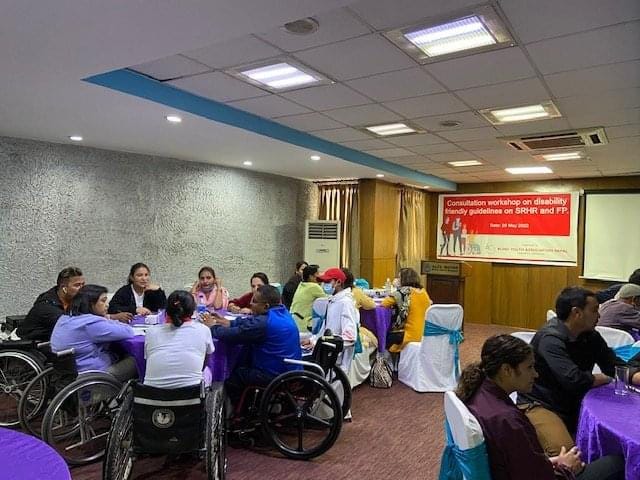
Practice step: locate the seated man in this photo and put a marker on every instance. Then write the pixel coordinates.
(566, 350)
(514, 451)
(272, 334)
(50, 305)
(622, 311)
(609, 293)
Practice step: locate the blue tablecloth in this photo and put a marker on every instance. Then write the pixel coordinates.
(24, 457)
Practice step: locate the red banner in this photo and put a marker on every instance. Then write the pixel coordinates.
(508, 214)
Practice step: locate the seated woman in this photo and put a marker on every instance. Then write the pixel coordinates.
(175, 351)
(363, 301)
(411, 301)
(208, 290)
(139, 296)
(243, 304)
(88, 330)
(307, 292)
(506, 366)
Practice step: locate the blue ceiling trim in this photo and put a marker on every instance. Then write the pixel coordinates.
(133, 83)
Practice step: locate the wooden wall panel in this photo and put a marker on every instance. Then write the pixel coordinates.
(478, 286)
(511, 306)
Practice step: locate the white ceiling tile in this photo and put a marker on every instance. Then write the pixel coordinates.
(527, 128)
(439, 148)
(482, 69)
(414, 140)
(327, 97)
(451, 157)
(341, 134)
(269, 106)
(550, 18)
(482, 133)
(427, 105)
(383, 14)
(235, 52)
(630, 130)
(597, 47)
(609, 100)
(518, 92)
(606, 118)
(505, 154)
(334, 25)
(170, 67)
(218, 86)
(309, 121)
(389, 152)
(363, 115)
(467, 119)
(371, 144)
(357, 57)
(480, 145)
(399, 84)
(412, 160)
(595, 79)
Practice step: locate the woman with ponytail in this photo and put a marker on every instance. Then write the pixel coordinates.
(507, 366)
(175, 351)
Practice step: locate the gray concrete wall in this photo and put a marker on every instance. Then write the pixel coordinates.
(104, 210)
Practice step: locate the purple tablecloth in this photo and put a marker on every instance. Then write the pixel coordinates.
(221, 362)
(610, 425)
(378, 321)
(25, 457)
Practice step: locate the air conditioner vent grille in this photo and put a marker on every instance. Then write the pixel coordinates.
(559, 142)
(588, 137)
(323, 231)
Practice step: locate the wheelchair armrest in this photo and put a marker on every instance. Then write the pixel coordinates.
(64, 353)
(42, 345)
(311, 365)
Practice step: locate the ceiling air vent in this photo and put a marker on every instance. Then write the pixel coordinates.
(585, 137)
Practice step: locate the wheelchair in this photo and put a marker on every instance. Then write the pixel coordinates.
(299, 412)
(157, 421)
(20, 362)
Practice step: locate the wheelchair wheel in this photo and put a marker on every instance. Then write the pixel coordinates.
(216, 435)
(291, 418)
(78, 419)
(33, 402)
(118, 460)
(17, 369)
(337, 375)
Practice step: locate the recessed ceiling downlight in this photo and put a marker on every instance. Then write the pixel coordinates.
(75, 138)
(304, 26)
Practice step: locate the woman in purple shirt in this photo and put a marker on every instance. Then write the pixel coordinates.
(514, 451)
(87, 330)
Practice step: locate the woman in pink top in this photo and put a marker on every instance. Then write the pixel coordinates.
(208, 290)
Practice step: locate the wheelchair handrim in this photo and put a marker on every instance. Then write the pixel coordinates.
(10, 390)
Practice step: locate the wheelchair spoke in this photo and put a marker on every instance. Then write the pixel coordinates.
(300, 433)
(319, 421)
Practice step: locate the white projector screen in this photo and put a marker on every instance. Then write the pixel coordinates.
(611, 235)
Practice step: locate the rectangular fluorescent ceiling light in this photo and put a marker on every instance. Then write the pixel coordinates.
(524, 113)
(468, 32)
(552, 157)
(528, 170)
(465, 163)
(391, 129)
(279, 76)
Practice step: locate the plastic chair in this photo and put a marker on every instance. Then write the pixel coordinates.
(526, 336)
(432, 365)
(614, 337)
(468, 454)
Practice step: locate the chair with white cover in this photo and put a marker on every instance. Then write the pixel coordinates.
(551, 314)
(525, 336)
(433, 365)
(465, 451)
(637, 344)
(614, 337)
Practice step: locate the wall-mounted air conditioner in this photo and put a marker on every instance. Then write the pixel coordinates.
(322, 243)
(585, 137)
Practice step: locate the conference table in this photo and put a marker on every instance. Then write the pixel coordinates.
(610, 425)
(378, 321)
(25, 457)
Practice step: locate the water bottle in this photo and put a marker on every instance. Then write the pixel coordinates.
(201, 310)
(387, 285)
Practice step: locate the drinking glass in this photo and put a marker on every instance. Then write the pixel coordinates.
(622, 380)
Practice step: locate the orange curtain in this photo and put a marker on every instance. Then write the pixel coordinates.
(340, 202)
(412, 228)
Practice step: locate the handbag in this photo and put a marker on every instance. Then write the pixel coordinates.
(381, 373)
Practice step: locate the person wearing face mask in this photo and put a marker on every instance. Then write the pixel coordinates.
(50, 305)
(139, 296)
(87, 330)
(622, 311)
(307, 292)
(342, 318)
(208, 290)
(565, 351)
(242, 304)
(272, 334)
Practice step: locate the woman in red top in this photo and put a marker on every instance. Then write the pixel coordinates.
(241, 304)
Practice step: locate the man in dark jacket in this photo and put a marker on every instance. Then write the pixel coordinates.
(609, 293)
(290, 287)
(50, 305)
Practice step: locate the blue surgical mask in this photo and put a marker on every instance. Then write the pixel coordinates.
(328, 288)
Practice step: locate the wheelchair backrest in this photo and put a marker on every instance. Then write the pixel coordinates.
(168, 420)
(327, 350)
